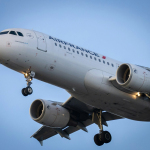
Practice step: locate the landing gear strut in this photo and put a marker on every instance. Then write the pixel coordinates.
(29, 77)
(103, 136)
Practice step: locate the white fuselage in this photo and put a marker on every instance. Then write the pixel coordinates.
(82, 73)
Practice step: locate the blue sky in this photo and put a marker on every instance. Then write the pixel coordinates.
(118, 29)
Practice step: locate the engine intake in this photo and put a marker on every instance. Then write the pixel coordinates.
(134, 78)
(124, 74)
(49, 113)
(37, 110)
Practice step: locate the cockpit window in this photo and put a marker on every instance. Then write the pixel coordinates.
(5, 32)
(20, 34)
(13, 33)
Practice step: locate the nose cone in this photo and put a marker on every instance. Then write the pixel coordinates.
(1, 49)
(3, 45)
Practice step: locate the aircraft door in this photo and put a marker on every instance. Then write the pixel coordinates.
(41, 42)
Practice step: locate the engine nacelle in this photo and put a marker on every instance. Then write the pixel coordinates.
(134, 78)
(49, 113)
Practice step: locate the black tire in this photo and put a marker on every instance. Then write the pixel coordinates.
(29, 90)
(105, 136)
(24, 92)
(97, 140)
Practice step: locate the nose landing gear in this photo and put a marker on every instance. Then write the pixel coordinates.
(29, 77)
(103, 136)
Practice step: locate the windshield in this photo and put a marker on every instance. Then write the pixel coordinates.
(5, 32)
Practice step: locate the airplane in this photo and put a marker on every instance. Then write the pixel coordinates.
(102, 89)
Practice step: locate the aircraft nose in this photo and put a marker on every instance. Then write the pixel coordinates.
(2, 49)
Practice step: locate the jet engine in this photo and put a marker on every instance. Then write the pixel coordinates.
(49, 113)
(134, 78)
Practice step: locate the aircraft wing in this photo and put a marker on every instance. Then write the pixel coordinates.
(46, 132)
(86, 112)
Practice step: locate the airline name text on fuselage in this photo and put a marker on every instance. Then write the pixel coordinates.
(76, 47)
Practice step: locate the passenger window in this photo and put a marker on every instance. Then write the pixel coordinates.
(64, 47)
(86, 55)
(91, 57)
(107, 63)
(55, 44)
(95, 58)
(99, 60)
(59, 45)
(5, 32)
(82, 54)
(112, 65)
(77, 52)
(103, 61)
(68, 48)
(20, 34)
(12, 32)
(73, 50)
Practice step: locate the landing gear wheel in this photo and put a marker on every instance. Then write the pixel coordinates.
(29, 90)
(97, 140)
(106, 136)
(103, 136)
(29, 75)
(24, 92)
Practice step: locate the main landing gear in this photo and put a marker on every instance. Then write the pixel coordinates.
(103, 136)
(29, 77)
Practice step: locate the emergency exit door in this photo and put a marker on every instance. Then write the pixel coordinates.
(41, 42)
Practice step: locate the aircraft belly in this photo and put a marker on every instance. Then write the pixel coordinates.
(112, 100)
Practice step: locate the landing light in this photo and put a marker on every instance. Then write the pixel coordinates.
(138, 94)
(26, 74)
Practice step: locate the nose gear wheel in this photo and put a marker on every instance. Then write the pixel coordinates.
(27, 91)
(29, 77)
